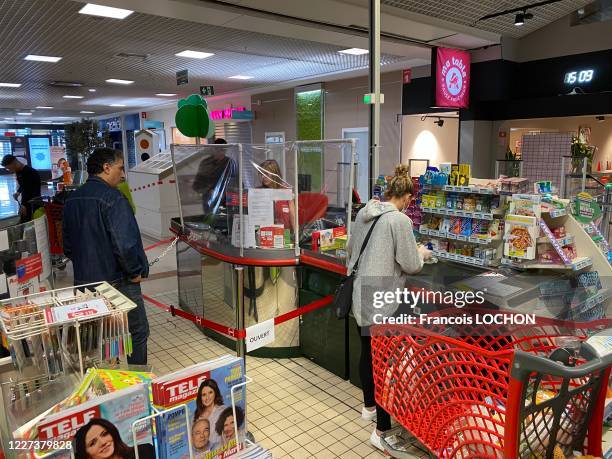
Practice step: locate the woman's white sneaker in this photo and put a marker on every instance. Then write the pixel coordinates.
(368, 415)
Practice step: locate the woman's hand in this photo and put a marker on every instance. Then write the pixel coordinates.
(424, 252)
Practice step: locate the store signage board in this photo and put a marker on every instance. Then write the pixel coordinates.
(207, 91)
(29, 267)
(259, 335)
(70, 312)
(451, 68)
(182, 77)
(586, 209)
(407, 76)
(242, 115)
(226, 114)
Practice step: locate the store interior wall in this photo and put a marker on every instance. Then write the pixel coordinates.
(474, 147)
(601, 133)
(344, 108)
(426, 140)
(274, 112)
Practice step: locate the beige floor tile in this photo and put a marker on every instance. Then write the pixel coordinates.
(338, 448)
(350, 441)
(350, 455)
(303, 439)
(314, 447)
(326, 440)
(290, 445)
(364, 449)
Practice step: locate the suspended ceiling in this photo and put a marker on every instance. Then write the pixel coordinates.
(468, 13)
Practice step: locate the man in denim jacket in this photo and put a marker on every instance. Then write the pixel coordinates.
(101, 237)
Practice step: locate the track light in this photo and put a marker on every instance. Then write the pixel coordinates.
(519, 20)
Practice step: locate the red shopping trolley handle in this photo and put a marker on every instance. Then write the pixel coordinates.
(525, 363)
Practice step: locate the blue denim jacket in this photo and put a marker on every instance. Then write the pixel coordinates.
(101, 236)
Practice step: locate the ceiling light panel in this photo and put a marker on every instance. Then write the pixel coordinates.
(118, 81)
(194, 54)
(44, 107)
(34, 57)
(354, 51)
(73, 97)
(241, 77)
(105, 11)
(10, 85)
(86, 112)
(24, 113)
(165, 94)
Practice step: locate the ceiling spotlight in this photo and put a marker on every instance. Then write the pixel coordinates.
(440, 122)
(519, 20)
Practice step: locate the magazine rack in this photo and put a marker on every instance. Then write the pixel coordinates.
(44, 320)
(158, 413)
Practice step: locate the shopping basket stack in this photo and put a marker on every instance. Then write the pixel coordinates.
(494, 396)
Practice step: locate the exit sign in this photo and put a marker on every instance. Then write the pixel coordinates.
(369, 99)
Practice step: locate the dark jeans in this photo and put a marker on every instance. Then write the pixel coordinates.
(138, 323)
(383, 419)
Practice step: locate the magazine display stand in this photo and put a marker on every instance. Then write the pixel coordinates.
(55, 330)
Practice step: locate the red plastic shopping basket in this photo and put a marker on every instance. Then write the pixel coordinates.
(472, 396)
(53, 211)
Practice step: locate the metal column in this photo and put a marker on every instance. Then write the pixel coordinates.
(374, 48)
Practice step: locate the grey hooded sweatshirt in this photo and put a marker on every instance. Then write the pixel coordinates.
(391, 254)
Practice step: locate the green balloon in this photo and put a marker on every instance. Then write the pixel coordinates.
(195, 99)
(192, 120)
(211, 130)
(182, 103)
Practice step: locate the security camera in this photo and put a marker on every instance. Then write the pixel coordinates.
(600, 118)
(440, 122)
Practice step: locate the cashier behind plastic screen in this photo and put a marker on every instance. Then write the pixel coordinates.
(213, 177)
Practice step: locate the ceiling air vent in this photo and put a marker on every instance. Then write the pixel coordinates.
(142, 57)
(66, 84)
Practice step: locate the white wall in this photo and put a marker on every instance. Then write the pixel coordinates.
(425, 140)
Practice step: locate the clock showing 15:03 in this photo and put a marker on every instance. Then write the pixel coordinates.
(579, 76)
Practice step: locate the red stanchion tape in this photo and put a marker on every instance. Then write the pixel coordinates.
(198, 320)
(157, 244)
(234, 332)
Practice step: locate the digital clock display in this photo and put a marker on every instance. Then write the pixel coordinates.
(579, 76)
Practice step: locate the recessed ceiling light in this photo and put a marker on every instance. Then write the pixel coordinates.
(91, 90)
(46, 121)
(354, 51)
(519, 20)
(194, 54)
(163, 94)
(24, 113)
(44, 107)
(241, 77)
(87, 112)
(116, 105)
(10, 85)
(9, 119)
(117, 81)
(34, 57)
(105, 11)
(73, 97)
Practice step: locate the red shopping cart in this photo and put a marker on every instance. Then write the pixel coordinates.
(491, 397)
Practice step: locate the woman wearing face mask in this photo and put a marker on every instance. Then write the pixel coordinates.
(209, 405)
(100, 439)
(391, 254)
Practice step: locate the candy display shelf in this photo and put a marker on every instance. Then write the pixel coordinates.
(458, 237)
(461, 213)
(576, 265)
(563, 241)
(472, 189)
(462, 258)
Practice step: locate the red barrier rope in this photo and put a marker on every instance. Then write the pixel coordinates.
(234, 332)
(157, 244)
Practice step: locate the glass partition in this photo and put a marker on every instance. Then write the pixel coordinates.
(326, 183)
(236, 199)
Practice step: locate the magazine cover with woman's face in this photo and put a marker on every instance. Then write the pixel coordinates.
(212, 421)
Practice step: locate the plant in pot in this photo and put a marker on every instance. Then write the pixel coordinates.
(82, 138)
(581, 150)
